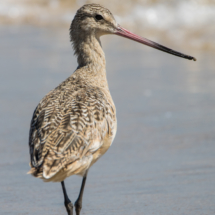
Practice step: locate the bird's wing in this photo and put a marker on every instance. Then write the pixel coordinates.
(66, 126)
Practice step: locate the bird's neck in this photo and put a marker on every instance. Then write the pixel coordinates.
(89, 52)
(91, 59)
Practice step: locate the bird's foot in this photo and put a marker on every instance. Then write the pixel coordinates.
(78, 206)
(69, 208)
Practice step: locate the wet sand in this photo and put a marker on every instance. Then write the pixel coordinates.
(162, 160)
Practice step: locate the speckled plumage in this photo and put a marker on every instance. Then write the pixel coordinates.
(75, 124)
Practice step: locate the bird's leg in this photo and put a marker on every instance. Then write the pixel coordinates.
(68, 204)
(78, 203)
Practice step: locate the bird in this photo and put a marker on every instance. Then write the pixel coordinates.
(75, 123)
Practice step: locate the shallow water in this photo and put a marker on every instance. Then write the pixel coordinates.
(162, 159)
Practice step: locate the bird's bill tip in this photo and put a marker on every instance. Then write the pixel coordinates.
(127, 34)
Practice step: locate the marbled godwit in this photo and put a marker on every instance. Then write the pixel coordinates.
(75, 124)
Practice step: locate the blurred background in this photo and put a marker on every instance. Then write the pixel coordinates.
(191, 21)
(162, 159)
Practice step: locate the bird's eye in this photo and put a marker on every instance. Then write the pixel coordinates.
(98, 17)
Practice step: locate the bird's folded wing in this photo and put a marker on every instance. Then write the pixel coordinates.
(62, 132)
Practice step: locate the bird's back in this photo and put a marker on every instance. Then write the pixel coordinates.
(71, 128)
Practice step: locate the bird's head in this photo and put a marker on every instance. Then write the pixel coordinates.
(93, 19)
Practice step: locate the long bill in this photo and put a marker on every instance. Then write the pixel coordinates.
(127, 34)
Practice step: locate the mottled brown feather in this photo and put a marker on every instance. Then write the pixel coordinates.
(66, 123)
(74, 124)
